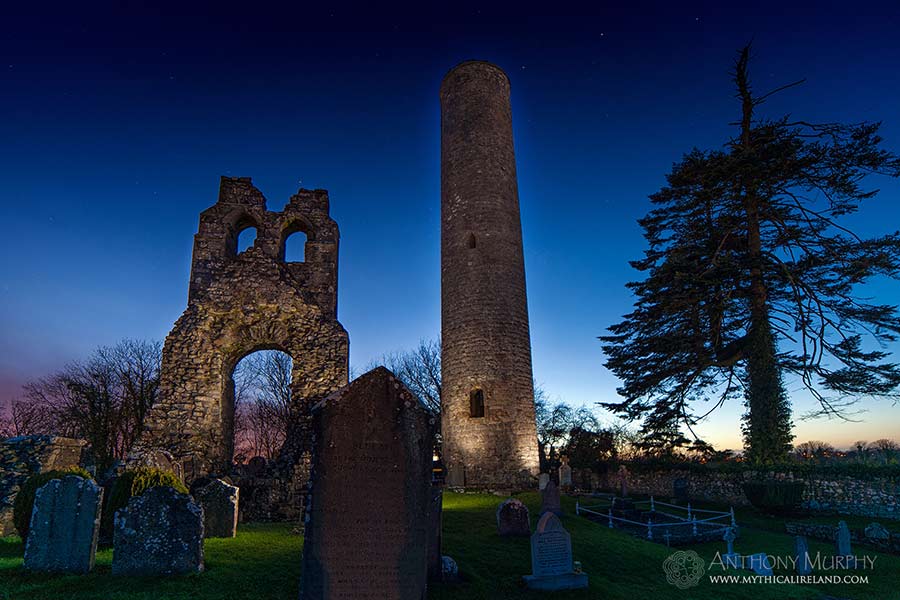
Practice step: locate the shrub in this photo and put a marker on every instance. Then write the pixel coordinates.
(775, 497)
(135, 482)
(24, 502)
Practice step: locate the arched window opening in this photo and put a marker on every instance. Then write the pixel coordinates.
(245, 239)
(476, 404)
(472, 241)
(262, 403)
(295, 247)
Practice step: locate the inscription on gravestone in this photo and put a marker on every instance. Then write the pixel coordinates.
(551, 557)
(551, 549)
(368, 513)
(64, 525)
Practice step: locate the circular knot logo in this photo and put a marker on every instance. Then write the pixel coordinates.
(683, 569)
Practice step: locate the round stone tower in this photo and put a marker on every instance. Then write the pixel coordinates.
(488, 426)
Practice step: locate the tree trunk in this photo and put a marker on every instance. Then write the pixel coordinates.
(767, 423)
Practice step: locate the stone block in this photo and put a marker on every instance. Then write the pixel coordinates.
(219, 501)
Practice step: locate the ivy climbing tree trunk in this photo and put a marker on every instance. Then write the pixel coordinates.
(767, 423)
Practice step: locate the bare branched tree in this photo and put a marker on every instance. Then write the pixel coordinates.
(420, 370)
(103, 400)
(262, 403)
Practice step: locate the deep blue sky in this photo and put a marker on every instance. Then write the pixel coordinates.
(116, 126)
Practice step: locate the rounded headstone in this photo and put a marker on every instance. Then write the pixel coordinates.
(160, 532)
(512, 518)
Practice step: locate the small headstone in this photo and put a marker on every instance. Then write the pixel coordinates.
(64, 525)
(435, 569)
(804, 565)
(551, 558)
(512, 518)
(160, 532)
(550, 501)
(565, 474)
(680, 489)
(731, 558)
(370, 485)
(543, 480)
(759, 564)
(877, 531)
(219, 502)
(623, 481)
(842, 540)
(449, 570)
(256, 466)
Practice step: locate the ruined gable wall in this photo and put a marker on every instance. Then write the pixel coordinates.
(240, 303)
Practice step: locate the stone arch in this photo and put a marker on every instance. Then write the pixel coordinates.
(292, 226)
(239, 221)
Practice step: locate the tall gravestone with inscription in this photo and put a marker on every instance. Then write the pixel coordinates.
(551, 558)
(367, 528)
(65, 522)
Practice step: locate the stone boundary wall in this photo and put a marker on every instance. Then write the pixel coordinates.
(877, 497)
(826, 533)
(23, 456)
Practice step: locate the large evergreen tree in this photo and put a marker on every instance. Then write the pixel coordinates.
(750, 275)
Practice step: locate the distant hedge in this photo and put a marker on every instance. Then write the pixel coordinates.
(808, 469)
(135, 482)
(24, 502)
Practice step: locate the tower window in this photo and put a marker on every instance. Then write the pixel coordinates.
(472, 242)
(476, 403)
(295, 247)
(245, 239)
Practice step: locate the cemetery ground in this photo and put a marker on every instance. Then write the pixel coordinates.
(263, 561)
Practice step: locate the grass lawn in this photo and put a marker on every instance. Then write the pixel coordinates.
(264, 562)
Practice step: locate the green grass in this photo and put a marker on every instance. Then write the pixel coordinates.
(264, 562)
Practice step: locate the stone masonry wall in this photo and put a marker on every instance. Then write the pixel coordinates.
(879, 498)
(486, 345)
(23, 456)
(239, 303)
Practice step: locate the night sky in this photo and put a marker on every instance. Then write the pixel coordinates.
(116, 125)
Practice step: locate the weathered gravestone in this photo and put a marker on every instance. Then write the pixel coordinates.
(623, 481)
(759, 563)
(842, 543)
(565, 474)
(680, 489)
(804, 565)
(877, 532)
(543, 480)
(160, 532)
(219, 502)
(512, 518)
(550, 500)
(367, 517)
(551, 558)
(64, 525)
(255, 467)
(732, 559)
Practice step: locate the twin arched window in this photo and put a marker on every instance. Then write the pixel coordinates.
(292, 245)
